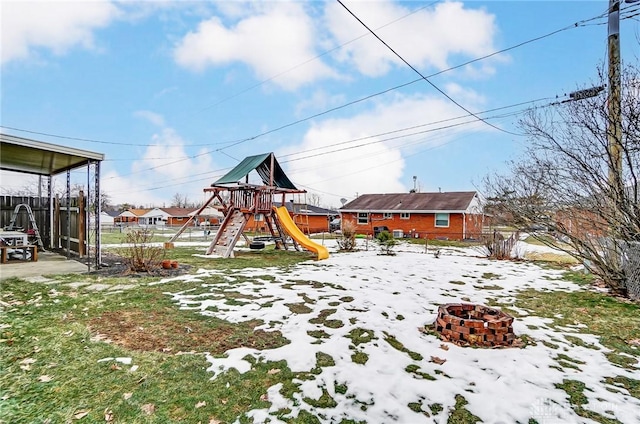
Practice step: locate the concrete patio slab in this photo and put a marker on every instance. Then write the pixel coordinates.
(48, 264)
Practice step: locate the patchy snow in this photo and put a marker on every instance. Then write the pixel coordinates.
(395, 297)
(233, 359)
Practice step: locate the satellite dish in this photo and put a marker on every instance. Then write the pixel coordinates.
(343, 201)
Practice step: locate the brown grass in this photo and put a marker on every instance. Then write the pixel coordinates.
(160, 331)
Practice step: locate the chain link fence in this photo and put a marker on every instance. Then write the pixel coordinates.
(631, 266)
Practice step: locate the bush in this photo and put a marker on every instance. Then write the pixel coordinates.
(347, 240)
(140, 255)
(387, 242)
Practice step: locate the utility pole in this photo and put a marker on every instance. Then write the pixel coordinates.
(614, 127)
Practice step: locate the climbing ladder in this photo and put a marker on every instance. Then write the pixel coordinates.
(228, 234)
(32, 220)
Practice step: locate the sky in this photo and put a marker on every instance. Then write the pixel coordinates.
(175, 94)
(396, 297)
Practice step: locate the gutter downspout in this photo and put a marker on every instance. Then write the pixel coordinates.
(464, 226)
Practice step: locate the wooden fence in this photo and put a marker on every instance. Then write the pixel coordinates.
(500, 247)
(60, 227)
(70, 225)
(40, 208)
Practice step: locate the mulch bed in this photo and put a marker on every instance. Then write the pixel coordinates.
(114, 265)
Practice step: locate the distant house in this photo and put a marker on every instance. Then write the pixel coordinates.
(130, 216)
(108, 217)
(209, 216)
(452, 216)
(310, 219)
(166, 216)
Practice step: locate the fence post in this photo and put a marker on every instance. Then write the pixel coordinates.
(631, 267)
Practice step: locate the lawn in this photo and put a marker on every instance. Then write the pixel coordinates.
(274, 336)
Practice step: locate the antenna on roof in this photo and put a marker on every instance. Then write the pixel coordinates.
(343, 201)
(413, 190)
(439, 189)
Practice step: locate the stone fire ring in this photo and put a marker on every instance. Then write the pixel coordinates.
(473, 324)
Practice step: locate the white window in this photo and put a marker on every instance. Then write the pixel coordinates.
(442, 220)
(258, 217)
(363, 218)
(387, 215)
(405, 215)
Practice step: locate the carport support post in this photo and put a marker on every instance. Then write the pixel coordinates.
(68, 214)
(52, 221)
(87, 236)
(98, 212)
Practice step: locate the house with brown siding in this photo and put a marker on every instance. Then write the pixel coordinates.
(310, 219)
(450, 215)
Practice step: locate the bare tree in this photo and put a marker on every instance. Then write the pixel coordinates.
(106, 203)
(570, 181)
(179, 201)
(29, 189)
(314, 199)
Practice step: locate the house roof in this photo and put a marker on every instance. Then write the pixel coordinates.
(177, 212)
(262, 164)
(307, 209)
(134, 212)
(208, 211)
(456, 201)
(173, 212)
(36, 157)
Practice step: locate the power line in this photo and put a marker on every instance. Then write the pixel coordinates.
(386, 163)
(417, 126)
(402, 129)
(420, 73)
(513, 113)
(399, 136)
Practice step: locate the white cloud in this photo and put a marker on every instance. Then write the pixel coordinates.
(278, 39)
(426, 38)
(163, 169)
(53, 25)
(155, 118)
(334, 169)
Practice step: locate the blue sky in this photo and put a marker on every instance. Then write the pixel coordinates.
(176, 93)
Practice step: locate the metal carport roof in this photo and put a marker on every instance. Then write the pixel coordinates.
(36, 157)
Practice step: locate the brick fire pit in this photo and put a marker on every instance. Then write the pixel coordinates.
(472, 324)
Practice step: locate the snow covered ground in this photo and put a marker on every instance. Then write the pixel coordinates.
(387, 297)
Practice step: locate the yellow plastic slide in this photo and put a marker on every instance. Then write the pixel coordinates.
(292, 229)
